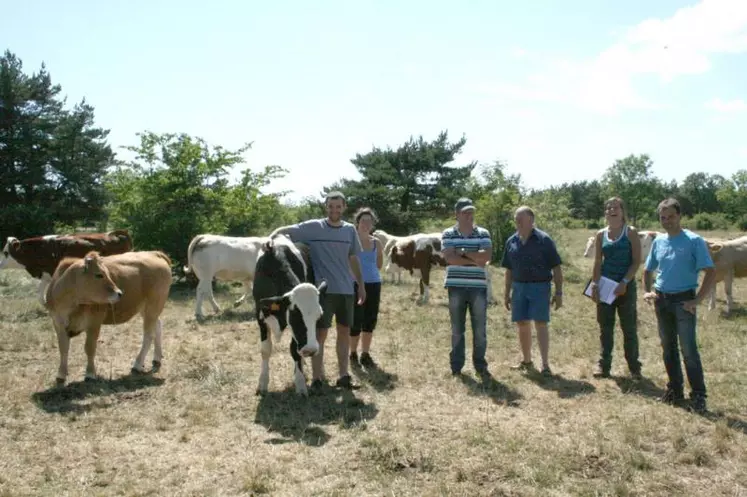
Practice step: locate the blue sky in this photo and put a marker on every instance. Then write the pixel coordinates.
(557, 90)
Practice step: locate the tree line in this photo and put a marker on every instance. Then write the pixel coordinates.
(59, 174)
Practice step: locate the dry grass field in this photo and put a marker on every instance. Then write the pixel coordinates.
(198, 429)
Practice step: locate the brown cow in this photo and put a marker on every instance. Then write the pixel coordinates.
(730, 259)
(419, 253)
(87, 293)
(39, 256)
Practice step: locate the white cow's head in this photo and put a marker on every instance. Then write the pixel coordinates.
(8, 261)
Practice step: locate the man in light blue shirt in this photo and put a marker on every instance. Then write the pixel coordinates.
(679, 256)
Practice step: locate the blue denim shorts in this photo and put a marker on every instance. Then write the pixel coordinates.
(530, 301)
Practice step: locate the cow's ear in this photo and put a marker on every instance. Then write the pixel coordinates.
(15, 244)
(267, 246)
(273, 305)
(322, 287)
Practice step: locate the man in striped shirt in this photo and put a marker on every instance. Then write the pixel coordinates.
(467, 249)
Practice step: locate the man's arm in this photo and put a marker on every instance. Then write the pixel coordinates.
(557, 277)
(705, 287)
(508, 277)
(649, 268)
(355, 266)
(295, 232)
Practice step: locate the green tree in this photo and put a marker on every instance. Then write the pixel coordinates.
(177, 187)
(631, 179)
(496, 196)
(733, 197)
(52, 160)
(405, 185)
(698, 193)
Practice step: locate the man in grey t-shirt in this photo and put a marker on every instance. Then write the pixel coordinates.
(334, 247)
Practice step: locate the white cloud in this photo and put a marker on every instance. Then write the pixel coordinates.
(517, 53)
(682, 44)
(718, 105)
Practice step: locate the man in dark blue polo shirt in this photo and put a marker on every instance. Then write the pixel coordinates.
(532, 262)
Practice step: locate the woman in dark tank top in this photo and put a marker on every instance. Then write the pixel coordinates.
(617, 257)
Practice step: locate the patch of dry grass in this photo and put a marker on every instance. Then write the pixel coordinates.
(196, 428)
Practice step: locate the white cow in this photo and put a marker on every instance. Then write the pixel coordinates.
(225, 258)
(730, 259)
(646, 237)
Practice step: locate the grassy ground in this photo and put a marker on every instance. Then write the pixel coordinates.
(197, 428)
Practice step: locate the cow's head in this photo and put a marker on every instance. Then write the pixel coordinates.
(93, 283)
(12, 247)
(301, 308)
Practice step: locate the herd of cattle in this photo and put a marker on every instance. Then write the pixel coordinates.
(91, 279)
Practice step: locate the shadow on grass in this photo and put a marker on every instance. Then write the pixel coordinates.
(297, 419)
(648, 388)
(565, 387)
(375, 376)
(70, 398)
(490, 387)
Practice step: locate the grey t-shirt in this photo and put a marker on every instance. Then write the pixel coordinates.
(330, 248)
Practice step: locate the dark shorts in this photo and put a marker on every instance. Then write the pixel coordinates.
(530, 301)
(338, 306)
(365, 316)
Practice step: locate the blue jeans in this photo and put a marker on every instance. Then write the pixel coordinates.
(676, 324)
(474, 299)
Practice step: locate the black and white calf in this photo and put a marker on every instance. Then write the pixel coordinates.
(284, 293)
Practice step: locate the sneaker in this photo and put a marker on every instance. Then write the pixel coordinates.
(483, 373)
(698, 404)
(354, 358)
(523, 366)
(600, 372)
(546, 372)
(672, 397)
(345, 382)
(367, 360)
(636, 376)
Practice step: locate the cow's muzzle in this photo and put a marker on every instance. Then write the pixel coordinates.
(115, 296)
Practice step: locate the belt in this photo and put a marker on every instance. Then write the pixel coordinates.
(686, 293)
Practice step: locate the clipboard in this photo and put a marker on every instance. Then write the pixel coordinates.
(606, 290)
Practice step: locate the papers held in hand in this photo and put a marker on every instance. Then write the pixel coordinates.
(606, 290)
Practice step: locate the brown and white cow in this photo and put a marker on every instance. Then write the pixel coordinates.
(39, 256)
(226, 258)
(418, 253)
(730, 259)
(86, 293)
(387, 243)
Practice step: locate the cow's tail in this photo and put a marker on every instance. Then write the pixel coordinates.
(164, 256)
(190, 250)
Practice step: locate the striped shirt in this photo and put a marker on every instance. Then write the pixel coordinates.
(466, 276)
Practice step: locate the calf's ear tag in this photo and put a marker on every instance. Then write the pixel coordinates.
(274, 306)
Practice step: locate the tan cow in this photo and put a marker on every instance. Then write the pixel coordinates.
(87, 293)
(730, 259)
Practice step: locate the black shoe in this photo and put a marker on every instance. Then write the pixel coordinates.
(698, 404)
(672, 397)
(483, 373)
(546, 372)
(367, 360)
(524, 366)
(354, 358)
(601, 372)
(636, 376)
(345, 382)
(317, 386)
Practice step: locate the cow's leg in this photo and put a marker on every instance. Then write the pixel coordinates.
(158, 347)
(199, 298)
(43, 284)
(266, 350)
(211, 296)
(150, 326)
(425, 283)
(92, 338)
(728, 280)
(712, 297)
(299, 379)
(63, 343)
(247, 291)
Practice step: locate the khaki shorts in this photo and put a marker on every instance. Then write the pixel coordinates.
(338, 305)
